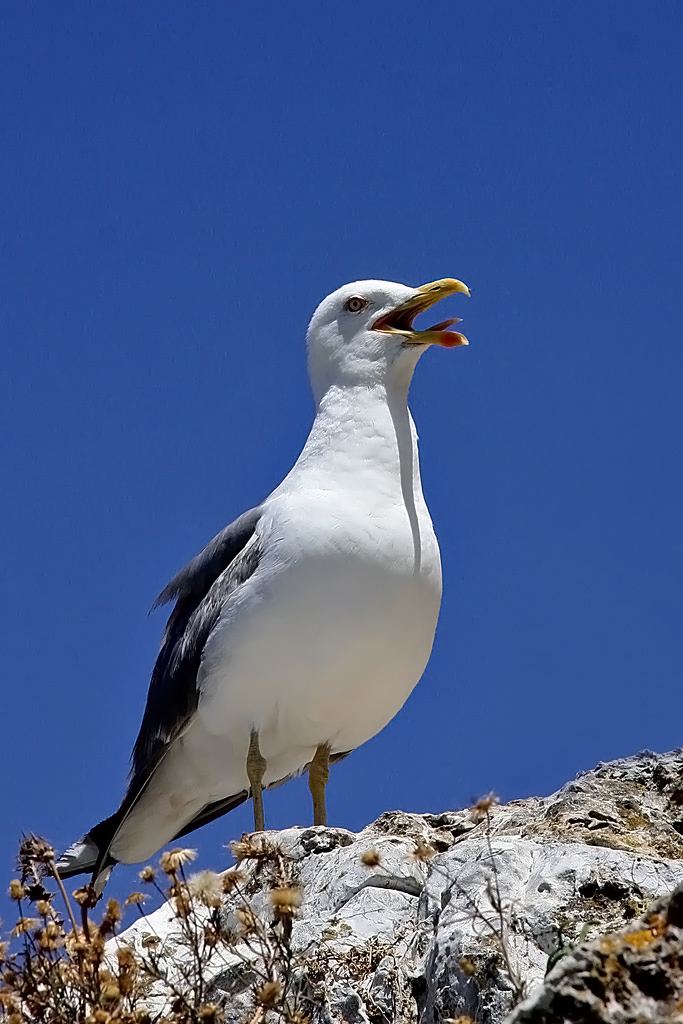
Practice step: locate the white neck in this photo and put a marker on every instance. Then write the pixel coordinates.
(364, 439)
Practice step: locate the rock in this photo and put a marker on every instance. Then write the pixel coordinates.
(633, 976)
(424, 918)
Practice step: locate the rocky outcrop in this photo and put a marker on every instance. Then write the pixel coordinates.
(633, 975)
(547, 909)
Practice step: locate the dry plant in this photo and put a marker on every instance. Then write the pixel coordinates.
(60, 970)
(498, 924)
(63, 966)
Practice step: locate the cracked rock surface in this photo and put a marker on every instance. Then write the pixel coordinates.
(632, 976)
(427, 918)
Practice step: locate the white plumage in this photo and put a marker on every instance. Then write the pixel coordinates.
(325, 639)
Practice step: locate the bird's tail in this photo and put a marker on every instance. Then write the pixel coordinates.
(85, 855)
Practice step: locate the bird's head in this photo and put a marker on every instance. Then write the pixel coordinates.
(363, 333)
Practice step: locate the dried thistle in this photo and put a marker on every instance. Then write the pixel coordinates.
(16, 890)
(242, 849)
(183, 905)
(173, 860)
(371, 858)
(246, 917)
(50, 937)
(37, 891)
(68, 975)
(423, 851)
(247, 849)
(127, 981)
(483, 807)
(34, 850)
(113, 910)
(84, 896)
(231, 879)
(10, 978)
(110, 993)
(126, 957)
(135, 898)
(285, 901)
(210, 1013)
(110, 918)
(75, 945)
(206, 886)
(269, 994)
(10, 1007)
(468, 966)
(24, 925)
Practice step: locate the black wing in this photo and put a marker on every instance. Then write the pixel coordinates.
(200, 591)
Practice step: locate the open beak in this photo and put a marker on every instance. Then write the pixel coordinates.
(400, 320)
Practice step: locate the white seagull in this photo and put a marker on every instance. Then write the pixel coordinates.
(302, 628)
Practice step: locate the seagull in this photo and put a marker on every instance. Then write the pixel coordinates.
(301, 629)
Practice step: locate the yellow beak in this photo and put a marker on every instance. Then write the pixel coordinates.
(400, 319)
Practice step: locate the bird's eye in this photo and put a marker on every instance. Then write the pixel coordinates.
(355, 304)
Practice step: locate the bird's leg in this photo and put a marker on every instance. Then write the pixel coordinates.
(256, 769)
(318, 774)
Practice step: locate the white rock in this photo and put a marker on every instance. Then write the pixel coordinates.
(467, 932)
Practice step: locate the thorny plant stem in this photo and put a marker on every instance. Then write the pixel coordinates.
(84, 921)
(190, 926)
(161, 974)
(266, 945)
(497, 928)
(29, 946)
(60, 883)
(84, 912)
(498, 907)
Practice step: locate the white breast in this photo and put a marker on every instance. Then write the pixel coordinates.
(325, 647)
(328, 638)
(324, 643)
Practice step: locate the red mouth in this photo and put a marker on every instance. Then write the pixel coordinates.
(400, 320)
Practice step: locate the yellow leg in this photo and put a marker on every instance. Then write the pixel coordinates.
(318, 774)
(256, 769)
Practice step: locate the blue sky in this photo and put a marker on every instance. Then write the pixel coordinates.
(182, 184)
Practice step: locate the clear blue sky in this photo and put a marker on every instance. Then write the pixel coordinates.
(181, 184)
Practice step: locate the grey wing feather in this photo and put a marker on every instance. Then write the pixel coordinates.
(206, 567)
(200, 589)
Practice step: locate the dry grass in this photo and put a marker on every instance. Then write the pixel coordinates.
(65, 963)
(61, 967)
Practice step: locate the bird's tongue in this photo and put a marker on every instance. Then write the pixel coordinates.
(449, 339)
(445, 324)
